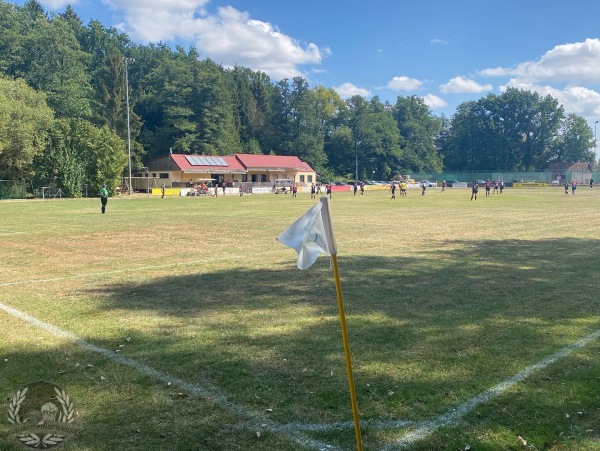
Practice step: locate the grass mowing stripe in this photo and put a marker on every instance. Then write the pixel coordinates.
(139, 268)
(211, 395)
(451, 417)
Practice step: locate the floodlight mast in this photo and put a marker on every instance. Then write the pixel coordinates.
(127, 62)
(595, 141)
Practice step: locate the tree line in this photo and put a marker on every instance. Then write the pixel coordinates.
(64, 118)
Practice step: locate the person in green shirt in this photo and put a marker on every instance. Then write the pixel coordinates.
(103, 197)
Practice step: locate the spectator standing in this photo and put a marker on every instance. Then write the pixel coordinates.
(566, 185)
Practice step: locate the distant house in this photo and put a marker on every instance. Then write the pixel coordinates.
(580, 171)
(182, 170)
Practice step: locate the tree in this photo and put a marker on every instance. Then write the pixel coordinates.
(61, 162)
(376, 140)
(213, 105)
(575, 141)
(57, 65)
(419, 130)
(516, 130)
(80, 153)
(24, 121)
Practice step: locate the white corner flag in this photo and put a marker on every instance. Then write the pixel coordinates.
(308, 236)
(312, 235)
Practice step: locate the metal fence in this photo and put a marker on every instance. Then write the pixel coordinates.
(12, 189)
(510, 177)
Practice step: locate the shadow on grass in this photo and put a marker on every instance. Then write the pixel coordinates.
(118, 408)
(425, 334)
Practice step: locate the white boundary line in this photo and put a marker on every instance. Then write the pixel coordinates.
(10, 232)
(260, 422)
(451, 417)
(211, 394)
(293, 429)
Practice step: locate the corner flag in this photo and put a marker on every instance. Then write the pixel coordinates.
(308, 237)
(312, 235)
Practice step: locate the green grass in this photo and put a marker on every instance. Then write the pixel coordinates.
(444, 297)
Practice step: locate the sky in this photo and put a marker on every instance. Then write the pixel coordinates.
(445, 51)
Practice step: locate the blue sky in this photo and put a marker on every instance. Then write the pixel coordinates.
(444, 51)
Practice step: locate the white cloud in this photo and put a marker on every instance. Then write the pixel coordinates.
(57, 4)
(577, 62)
(438, 41)
(347, 90)
(433, 101)
(230, 37)
(459, 85)
(404, 83)
(563, 73)
(575, 99)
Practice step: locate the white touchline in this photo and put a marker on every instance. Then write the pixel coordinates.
(450, 417)
(209, 394)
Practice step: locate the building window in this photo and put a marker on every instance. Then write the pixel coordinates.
(309, 178)
(263, 177)
(244, 177)
(164, 175)
(154, 175)
(301, 179)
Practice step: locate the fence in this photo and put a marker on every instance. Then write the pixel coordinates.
(12, 189)
(510, 176)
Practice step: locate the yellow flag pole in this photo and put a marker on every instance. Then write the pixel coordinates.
(326, 214)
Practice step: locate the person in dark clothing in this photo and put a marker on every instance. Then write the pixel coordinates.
(103, 198)
(474, 190)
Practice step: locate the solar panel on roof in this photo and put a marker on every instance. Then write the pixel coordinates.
(198, 160)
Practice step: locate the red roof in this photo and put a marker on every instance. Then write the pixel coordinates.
(251, 161)
(242, 162)
(232, 164)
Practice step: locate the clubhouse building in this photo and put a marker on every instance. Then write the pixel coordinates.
(179, 170)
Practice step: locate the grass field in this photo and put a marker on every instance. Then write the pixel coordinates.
(181, 324)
